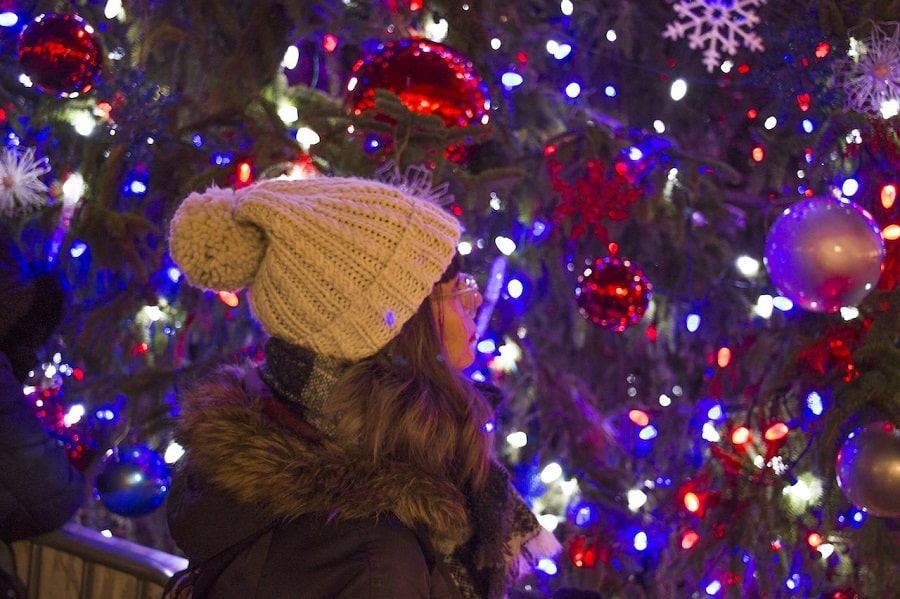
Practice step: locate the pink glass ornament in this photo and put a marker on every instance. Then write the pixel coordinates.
(824, 254)
(868, 469)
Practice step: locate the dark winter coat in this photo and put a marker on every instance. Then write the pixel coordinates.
(347, 528)
(39, 489)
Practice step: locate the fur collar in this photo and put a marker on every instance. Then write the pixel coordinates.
(233, 443)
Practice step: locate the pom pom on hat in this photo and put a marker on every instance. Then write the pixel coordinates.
(213, 250)
(335, 265)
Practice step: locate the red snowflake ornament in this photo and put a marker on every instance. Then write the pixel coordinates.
(594, 197)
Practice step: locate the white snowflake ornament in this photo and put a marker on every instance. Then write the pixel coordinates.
(871, 74)
(21, 190)
(715, 24)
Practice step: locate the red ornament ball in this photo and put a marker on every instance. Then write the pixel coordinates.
(841, 594)
(78, 439)
(428, 77)
(613, 293)
(60, 53)
(82, 448)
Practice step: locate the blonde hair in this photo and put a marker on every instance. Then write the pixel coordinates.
(406, 403)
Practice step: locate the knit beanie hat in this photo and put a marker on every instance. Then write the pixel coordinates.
(336, 265)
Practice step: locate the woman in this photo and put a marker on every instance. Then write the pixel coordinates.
(354, 462)
(39, 489)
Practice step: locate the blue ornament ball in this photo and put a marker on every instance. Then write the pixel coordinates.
(132, 481)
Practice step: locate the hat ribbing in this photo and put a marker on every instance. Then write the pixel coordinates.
(336, 265)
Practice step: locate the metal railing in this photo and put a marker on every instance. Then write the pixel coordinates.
(75, 562)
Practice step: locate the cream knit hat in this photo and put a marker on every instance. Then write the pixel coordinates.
(335, 265)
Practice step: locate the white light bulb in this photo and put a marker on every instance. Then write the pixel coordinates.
(636, 499)
(291, 58)
(678, 90)
(747, 266)
(506, 245)
(551, 472)
(517, 440)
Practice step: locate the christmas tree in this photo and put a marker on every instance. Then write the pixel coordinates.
(682, 214)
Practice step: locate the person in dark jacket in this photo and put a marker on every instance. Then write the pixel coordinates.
(39, 489)
(354, 462)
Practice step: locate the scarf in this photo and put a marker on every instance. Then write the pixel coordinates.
(507, 541)
(302, 378)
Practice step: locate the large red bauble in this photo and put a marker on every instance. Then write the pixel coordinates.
(428, 77)
(60, 54)
(613, 293)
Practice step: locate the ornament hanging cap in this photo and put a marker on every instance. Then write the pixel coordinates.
(613, 248)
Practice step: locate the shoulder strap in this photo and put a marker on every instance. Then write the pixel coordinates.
(435, 561)
(11, 586)
(195, 581)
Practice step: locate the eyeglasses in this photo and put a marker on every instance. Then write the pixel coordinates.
(465, 288)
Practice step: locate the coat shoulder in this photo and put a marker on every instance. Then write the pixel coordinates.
(342, 559)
